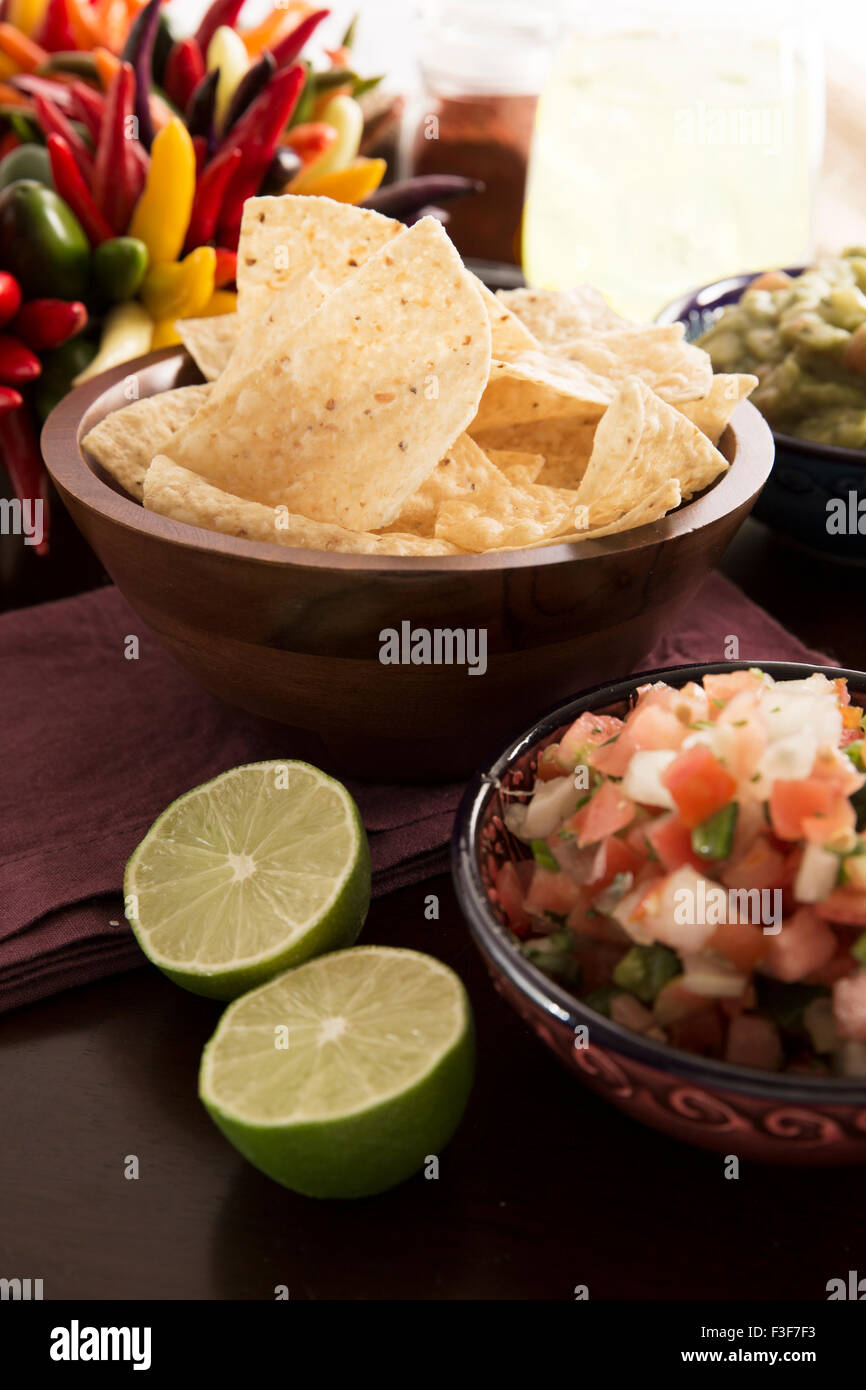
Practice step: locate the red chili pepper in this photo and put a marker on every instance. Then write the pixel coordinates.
(257, 135)
(183, 72)
(209, 194)
(74, 191)
(10, 399)
(44, 324)
(33, 85)
(288, 49)
(226, 272)
(311, 139)
(89, 107)
(18, 364)
(56, 33)
(117, 178)
(10, 296)
(8, 143)
(221, 12)
(53, 122)
(19, 452)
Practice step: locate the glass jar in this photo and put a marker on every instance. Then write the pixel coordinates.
(482, 66)
(675, 143)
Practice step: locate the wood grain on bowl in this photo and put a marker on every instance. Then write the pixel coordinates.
(294, 635)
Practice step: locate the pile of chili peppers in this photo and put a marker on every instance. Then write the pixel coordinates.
(126, 157)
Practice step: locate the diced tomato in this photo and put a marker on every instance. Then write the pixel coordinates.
(843, 694)
(728, 684)
(652, 726)
(590, 923)
(740, 943)
(614, 857)
(550, 891)
(804, 944)
(837, 968)
(588, 731)
(849, 1006)
(548, 764)
(613, 758)
(753, 1042)
(699, 784)
(820, 829)
(760, 867)
(741, 735)
(510, 890)
(792, 802)
(844, 905)
(702, 1032)
(672, 841)
(598, 961)
(606, 812)
(674, 1002)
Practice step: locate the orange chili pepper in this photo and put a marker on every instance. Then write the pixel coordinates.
(106, 65)
(83, 23)
(23, 51)
(271, 30)
(10, 96)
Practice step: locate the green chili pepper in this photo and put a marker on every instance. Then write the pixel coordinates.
(645, 969)
(542, 854)
(118, 267)
(712, 839)
(44, 245)
(58, 369)
(29, 161)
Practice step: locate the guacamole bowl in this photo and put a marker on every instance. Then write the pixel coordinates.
(780, 1117)
(328, 644)
(814, 490)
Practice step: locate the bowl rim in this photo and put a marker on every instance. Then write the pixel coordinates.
(495, 942)
(748, 440)
(706, 297)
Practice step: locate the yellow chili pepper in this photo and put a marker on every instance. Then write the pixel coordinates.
(347, 118)
(162, 213)
(226, 51)
(126, 333)
(351, 185)
(164, 335)
(220, 302)
(26, 15)
(182, 289)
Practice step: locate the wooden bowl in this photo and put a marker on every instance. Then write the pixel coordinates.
(294, 635)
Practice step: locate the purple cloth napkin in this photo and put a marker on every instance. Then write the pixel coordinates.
(94, 746)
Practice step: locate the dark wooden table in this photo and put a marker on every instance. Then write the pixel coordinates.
(544, 1187)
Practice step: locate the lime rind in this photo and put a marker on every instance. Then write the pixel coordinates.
(191, 922)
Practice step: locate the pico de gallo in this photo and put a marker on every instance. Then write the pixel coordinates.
(696, 870)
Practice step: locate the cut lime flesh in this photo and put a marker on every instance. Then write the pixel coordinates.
(344, 1076)
(259, 869)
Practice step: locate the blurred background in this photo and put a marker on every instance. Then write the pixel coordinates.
(646, 148)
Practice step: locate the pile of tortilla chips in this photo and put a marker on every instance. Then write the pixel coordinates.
(372, 396)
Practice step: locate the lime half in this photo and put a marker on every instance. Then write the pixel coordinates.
(262, 868)
(344, 1076)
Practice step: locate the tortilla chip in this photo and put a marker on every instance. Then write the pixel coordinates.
(518, 467)
(674, 369)
(539, 386)
(651, 508)
(344, 421)
(565, 444)
(713, 411)
(282, 237)
(509, 336)
(209, 342)
(465, 468)
(641, 443)
(183, 496)
(261, 339)
(125, 441)
(554, 316)
(505, 517)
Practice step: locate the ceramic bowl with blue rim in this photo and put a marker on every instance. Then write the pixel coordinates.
(811, 484)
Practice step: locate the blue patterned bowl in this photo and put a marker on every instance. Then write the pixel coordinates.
(806, 476)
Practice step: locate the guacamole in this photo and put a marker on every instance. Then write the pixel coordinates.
(805, 340)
